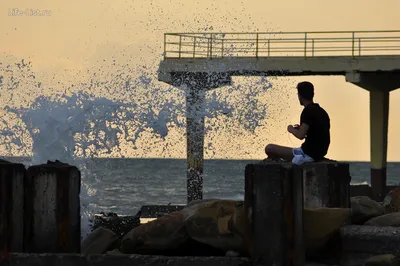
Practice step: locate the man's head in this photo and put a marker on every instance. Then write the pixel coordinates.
(305, 91)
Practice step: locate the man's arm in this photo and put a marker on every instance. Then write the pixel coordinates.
(301, 132)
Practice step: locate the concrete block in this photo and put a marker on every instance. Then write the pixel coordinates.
(120, 260)
(270, 205)
(12, 180)
(371, 240)
(52, 215)
(354, 259)
(326, 184)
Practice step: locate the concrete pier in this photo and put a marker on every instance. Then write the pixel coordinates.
(12, 185)
(367, 62)
(52, 214)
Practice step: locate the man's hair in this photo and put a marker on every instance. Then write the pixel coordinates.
(306, 90)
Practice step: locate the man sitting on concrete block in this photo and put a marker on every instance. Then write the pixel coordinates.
(314, 128)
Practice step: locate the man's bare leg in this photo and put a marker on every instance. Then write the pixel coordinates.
(275, 152)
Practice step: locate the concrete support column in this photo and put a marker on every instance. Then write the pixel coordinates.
(379, 85)
(379, 115)
(195, 85)
(195, 98)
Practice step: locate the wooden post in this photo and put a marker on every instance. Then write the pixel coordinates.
(270, 191)
(12, 179)
(52, 215)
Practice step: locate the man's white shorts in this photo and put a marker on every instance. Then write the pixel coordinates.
(300, 157)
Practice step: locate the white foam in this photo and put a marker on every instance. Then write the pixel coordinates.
(75, 126)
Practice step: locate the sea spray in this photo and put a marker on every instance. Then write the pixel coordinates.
(81, 123)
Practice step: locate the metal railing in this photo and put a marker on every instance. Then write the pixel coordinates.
(268, 44)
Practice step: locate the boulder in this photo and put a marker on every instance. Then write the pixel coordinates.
(98, 241)
(390, 219)
(391, 203)
(382, 260)
(164, 234)
(321, 225)
(204, 227)
(120, 225)
(364, 208)
(114, 252)
(218, 223)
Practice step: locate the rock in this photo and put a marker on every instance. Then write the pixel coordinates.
(164, 234)
(391, 203)
(120, 225)
(390, 219)
(57, 162)
(218, 223)
(382, 260)
(98, 241)
(232, 254)
(364, 208)
(322, 224)
(205, 227)
(114, 252)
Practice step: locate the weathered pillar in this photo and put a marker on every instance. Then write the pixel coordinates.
(274, 207)
(12, 179)
(326, 184)
(379, 118)
(195, 86)
(195, 98)
(379, 84)
(52, 215)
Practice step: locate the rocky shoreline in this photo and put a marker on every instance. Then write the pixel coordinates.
(218, 228)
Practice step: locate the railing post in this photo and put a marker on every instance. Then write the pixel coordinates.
(180, 45)
(352, 46)
(165, 45)
(208, 47)
(359, 46)
(194, 47)
(256, 45)
(312, 47)
(305, 44)
(211, 39)
(268, 47)
(222, 48)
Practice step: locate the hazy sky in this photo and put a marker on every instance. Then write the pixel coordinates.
(78, 35)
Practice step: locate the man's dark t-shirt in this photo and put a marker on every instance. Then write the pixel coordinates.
(318, 135)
